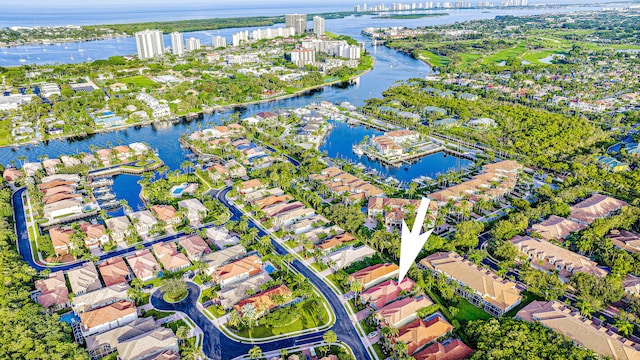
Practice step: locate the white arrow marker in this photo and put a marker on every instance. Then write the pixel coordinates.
(412, 241)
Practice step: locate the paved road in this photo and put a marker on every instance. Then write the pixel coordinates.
(343, 327)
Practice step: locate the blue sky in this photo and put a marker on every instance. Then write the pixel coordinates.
(34, 4)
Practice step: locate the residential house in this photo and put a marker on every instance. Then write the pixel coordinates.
(96, 235)
(143, 221)
(386, 292)
(149, 345)
(51, 166)
(31, 168)
(11, 174)
(105, 156)
(103, 344)
(52, 292)
(119, 227)
(598, 206)
(626, 240)
(272, 200)
(62, 208)
(375, 274)
(114, 271)
(221, 237)
(195, 211)
(601, 340)
(99, 298)
(334, 241)
(237, 271)
(61, 240)
(611, 164)
(307, 224)
(84, 278)
(631, 285)
(143, 264)
(263, 301)
(453, 350)
(123, 153)
(168, 214)
(550, 257)
(194, 246)
(169, 256)
(557, 228)
(232, 294)
(419, 333)
(108, 317)
(347, 255)
(250, 186)
(485, 289)
(289, 217)
(223, 256)
(401, 312)
(253, 196)
(340, 182)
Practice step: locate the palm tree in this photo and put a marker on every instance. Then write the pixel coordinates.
(356, 287)
(190, 353)
(182, 332)
(330, 337)
(255, 352)
(137, 284)
(234, 319)
(173, 287)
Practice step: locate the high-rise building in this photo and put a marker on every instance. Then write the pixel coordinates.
(218, 42)
(318, 25)
(301, 56)
(193, 44)
(177, 44)
(149, 43)
(240, 37)
(296, 21)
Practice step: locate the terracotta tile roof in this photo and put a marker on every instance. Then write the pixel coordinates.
(556, 227)
(270, 200)
(194, 245)
(495, 290)
(143, 264)
(53, 290)
(402, 311)
(419, 332)
(59, 197)
(595, 207)
(385, 292)
(107, 314)
(373, 274)
(164, 212)
(454, 350)
(169, 256)
(281, 208)
(264, 301)
(114, 271)
(251, 265)
(60, 237)
(93, 231)
(556, 316)
(249, 184)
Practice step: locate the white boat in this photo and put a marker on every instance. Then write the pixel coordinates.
(357, 150)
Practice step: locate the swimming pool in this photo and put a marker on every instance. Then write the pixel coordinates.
(269, 268)
(177, 190)
(69, 318)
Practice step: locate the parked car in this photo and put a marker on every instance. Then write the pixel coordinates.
(372, 334)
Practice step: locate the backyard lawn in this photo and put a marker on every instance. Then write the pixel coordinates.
(468, 312)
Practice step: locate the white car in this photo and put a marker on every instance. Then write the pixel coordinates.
(372, 334)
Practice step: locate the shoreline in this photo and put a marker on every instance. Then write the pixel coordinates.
(191, 114)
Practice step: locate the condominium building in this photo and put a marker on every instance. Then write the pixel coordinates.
(218, 42)
(193, 44)
(296, 21)
(318, 25)
(302, 56)
(149, 43)
(239, 38)
(177, 44)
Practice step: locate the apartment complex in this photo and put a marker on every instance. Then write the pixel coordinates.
(149, 43)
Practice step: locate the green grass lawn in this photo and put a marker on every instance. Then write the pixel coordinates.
(305, 317)
(174, 325)
(506, 54)
(139, 81)
(156, 314)
(434, 59)
(527, 297)
(468, 312)
(5, 132)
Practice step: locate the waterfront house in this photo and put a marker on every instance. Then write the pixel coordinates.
(168, 214)
(557, 228)
(194, 246)
(51, 166)
(123, 153)
(232, 294)
(169, 256)
(52, 292)
(347, 255)
(237, 271)
(84, 279)
(263, 301)
(419, 333)
(550, 257)
(598, 206)
(195, 211)
(453, 350)
(119, 227)
(62, 208)
(99, 298)
(586, 333)
(31, 168)
(626, 240)
(114, 271)
(401, 312)
(482, 287)
(143, 264)
(386, 292)
(143, 221)
(160, 344)
(108, 317)
(11, 174)
(375, 274)
(105, 156)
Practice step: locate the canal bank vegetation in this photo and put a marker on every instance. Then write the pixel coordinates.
(27, 330)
